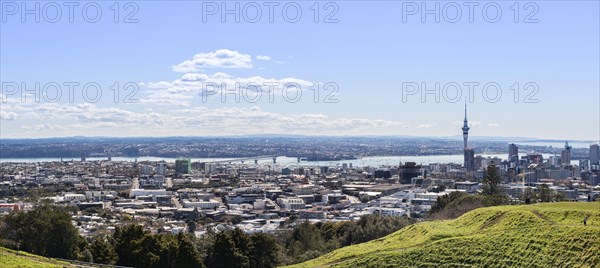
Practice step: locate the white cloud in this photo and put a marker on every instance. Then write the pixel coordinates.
(7, 115)
(89, 119)
(49, 127)
(493, 125)
(255, 120)
(263, 57)
(222, 58)
(170, 97)
(427, 125)
(471, 123)
(182, 91)
(43, 128)
(32, 115)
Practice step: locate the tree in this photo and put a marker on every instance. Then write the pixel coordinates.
(187, 255)
(305, 242)
(444, 200)
(191, 226)
(224, 253)
(102, 251)
(46, 230)
(155, 251)
(242, 241)
(264, 251)
(545, 194)
(491, 182)
(438, 189)
(561, 197)
(528, 196)
(126, 240)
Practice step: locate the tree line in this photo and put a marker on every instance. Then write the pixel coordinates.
(47, 230)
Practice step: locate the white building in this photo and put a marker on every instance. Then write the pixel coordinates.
(74, 197)
(390, 211)
(144, 192)
(161, 168)
(211, 204)
(291, 203)
(468, 186)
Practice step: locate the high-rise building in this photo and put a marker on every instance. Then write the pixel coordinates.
(465, 129)
(408, 171)
(161, 168)
(534, 158)
(470, 159)
(513, 153)
(565, 156)
(554, 161)
(145, 169)
(584, 164)
(594, 154)
(478, 162)
(183, 166)
(469, 154)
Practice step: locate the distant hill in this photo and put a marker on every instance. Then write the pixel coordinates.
(10, 258)
(541, 235)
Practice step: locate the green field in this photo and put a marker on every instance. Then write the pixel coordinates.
(540, 235)
(10, 258)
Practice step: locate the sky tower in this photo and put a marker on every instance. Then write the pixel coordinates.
(465, 128)
(469, 153)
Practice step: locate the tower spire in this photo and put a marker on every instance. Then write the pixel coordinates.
(465, 109)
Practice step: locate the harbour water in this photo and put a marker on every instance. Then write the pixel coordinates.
(291, 161)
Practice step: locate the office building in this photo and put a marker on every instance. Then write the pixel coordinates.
(145, 169)
(470, 159)
(513, 153)
(595, 154)
(161, 168)
(408, 171)
(183, 166)
(554, 161)
(565, 156)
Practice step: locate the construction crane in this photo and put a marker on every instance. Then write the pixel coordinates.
(522, 175)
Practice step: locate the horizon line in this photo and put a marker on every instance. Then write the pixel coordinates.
(502, 138)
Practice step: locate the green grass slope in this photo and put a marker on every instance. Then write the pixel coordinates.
(10, 258)
(540, 235)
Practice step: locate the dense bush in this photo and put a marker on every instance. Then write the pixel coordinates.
(307, 241)
(46, 230)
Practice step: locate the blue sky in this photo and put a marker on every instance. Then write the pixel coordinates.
(371, 54)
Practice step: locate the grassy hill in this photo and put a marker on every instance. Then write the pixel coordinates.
(540, 235)
(10, 258)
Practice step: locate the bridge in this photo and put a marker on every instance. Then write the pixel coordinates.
(255, 158)
(242, 160)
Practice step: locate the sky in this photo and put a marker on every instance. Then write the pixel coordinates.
(170, 68)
